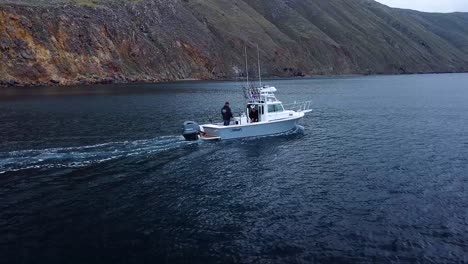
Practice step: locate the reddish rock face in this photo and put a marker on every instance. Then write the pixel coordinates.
(159, 40)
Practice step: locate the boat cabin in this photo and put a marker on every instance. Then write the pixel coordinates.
(264, 101)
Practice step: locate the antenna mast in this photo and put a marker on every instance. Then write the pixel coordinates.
(259, 70)
(246, 64)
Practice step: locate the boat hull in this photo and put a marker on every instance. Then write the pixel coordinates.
(252, 130)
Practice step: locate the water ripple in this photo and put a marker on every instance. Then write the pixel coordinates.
(73, 157)
(377, 174)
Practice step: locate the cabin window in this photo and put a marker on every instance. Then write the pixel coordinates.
(274, 108)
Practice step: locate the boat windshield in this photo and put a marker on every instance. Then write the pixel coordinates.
(275, 108)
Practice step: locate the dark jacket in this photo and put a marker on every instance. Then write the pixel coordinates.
(253, 115)
(226, 112)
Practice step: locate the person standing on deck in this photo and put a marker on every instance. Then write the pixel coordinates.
(227, 114)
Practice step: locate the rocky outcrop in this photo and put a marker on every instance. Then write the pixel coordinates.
(85, 41)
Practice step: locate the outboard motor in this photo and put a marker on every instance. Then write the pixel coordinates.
(190, 131)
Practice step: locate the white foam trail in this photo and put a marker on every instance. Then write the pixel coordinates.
(81, 156)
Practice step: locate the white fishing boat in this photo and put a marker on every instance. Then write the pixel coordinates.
(273, 117)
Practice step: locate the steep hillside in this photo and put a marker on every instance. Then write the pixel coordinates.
(86, 41)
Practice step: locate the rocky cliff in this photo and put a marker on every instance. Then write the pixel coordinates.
(87, 41)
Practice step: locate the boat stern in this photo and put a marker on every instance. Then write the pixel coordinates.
(191, 131)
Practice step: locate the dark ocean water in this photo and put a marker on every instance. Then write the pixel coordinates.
(99, 174)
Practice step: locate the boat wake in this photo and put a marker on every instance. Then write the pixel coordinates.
(81, 156)
(72, 157)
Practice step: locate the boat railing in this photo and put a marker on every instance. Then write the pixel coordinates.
(298, 106)
(214, 117)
